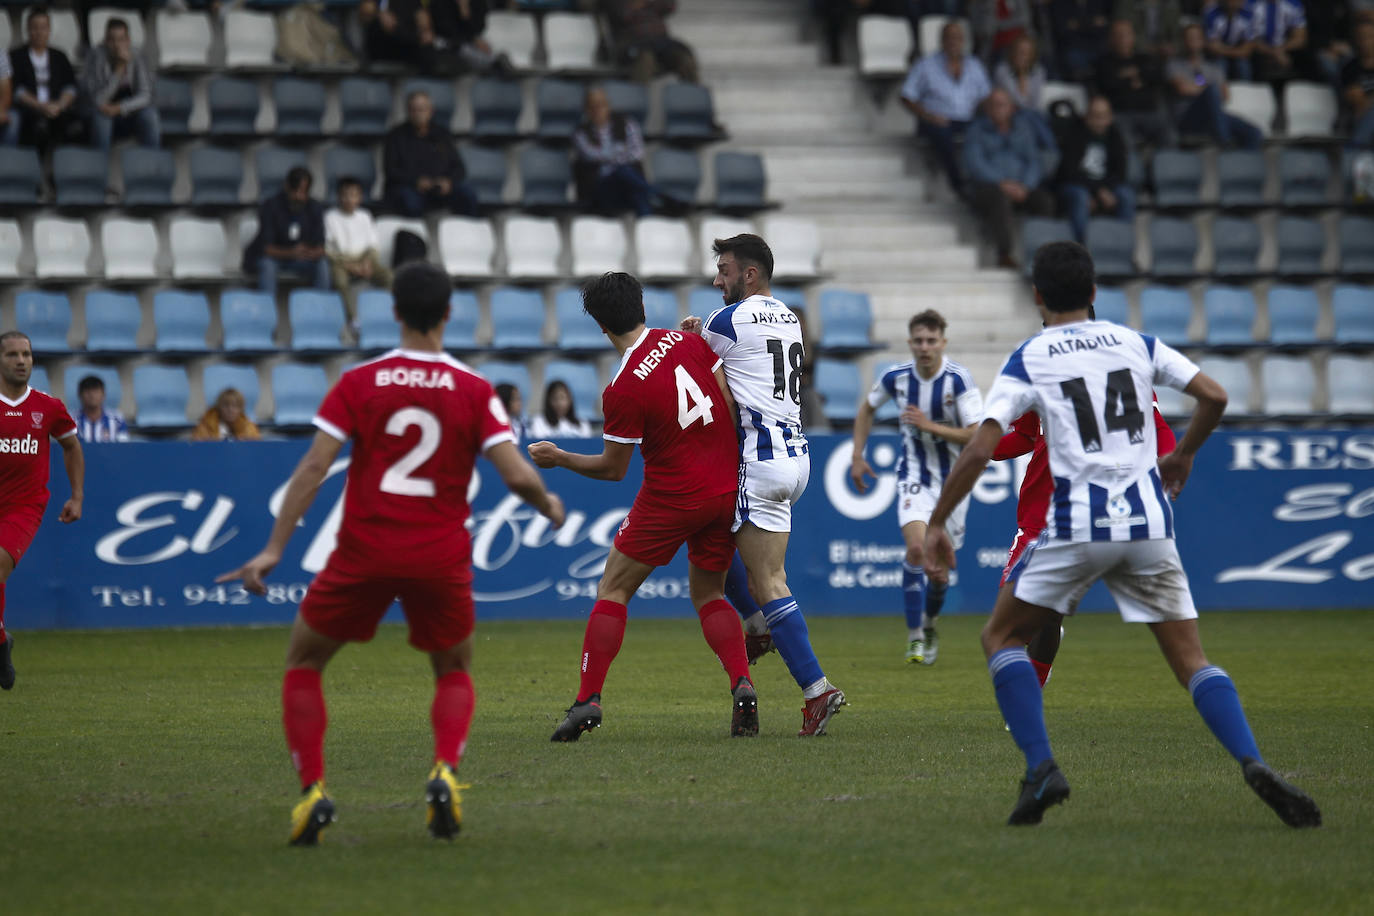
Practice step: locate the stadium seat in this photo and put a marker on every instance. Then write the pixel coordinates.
(513, 34)
(300, 106)
(796, 245)
(582, 382)
(486, 174)
(1037, 231)
(80, 174)
(1165, 313)
(1352, 309)
(39, 381)
(1112, 243)
(1172, 402)
(559, 105)
(517, 319)
(181, 319)
(1230, 315)
(271, 163)
(1357, 245)
(1236, 246)
(1055, 91)
(496, 105)
(1310, 109)
(837, 383)
(75, 372)
(663, 248)
(377, 327)
(148, 176)
(47, 318)
(130, 247)
(198, 248)
(1302, 243)
(718, 227)
(250, 40)
(545, 175)
(576, 330)
(20, 176)
(794, 297)
(930, 27)
(317, 320)
(467, 246)
(388, 226)
(689, 114)
(741, 183)
(233, 106)
(249, 318)
(183, 39)
(1111, 305)
(441, 96)
(1233, 374)
(1304, 176)
(161, 394)
(99, 16)
(1253, 102)
(341, 161)
(465, 312)
(884, 47)
(61, 248)
(628, 99)
(598, 245)
(846, 321)
(571, 41)
(65, 35)
(1177, 178)
(215, 176)
(297, 391)
(364, 106)
(660, 308)
(499, 372)
(677, 172)
(1293, 315)
(174, 105)
(1350, 385)
(1288, 386)
(242, 378)
(1241, 175)
(703, 300)
(11, 247)
(533, 246)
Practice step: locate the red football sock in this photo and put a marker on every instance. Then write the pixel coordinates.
(1042, 672)
(451, 716)
(720, 625)
(303, 715)
(600, 645)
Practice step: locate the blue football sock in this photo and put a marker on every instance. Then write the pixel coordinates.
(1019, 696)
(737, 589)
(793, 641)
(935, 601)
(1216, 699)
(913, 594)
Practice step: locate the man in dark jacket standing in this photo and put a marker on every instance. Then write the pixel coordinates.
(1092, 171)
(422, 166)
(44, 89)
(290, 236)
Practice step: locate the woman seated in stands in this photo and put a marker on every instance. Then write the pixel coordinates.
(226, 420)
(559, 416)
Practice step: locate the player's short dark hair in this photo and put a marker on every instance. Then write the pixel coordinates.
(421, 291)
(615, 300)
(90, 383)
(748, 249)
(114, 22)
(927, 319)
(348, 181)
(299, 175)
(39, 9)
(1063, 274)
(8, 334)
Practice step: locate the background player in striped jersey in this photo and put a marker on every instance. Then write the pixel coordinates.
(941, 407)
(1109, 519)
(760, 341)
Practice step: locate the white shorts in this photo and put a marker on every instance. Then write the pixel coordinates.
(767, 490)
(1145, 577)
(916, 502)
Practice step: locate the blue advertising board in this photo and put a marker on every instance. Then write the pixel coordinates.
(1269, 519)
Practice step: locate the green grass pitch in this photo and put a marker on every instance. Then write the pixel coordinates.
(145, 772)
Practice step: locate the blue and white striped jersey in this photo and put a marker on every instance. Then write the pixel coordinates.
(760, 341)
(950, 398)
(1091, 384)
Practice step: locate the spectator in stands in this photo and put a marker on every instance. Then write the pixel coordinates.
(559, 416)
(943, 91)
(43, 113)
(1092, 173)
(350, 243)
(119, 91)
(1080, 34)
(1158, 25)
(1230, 30)
(608, 160)
(226, 420)
(514, 402)
(997, 25)
(836, 14)
(464, 33)
(1280, 28)
(1328, 25)
(1021, 74)
(93, 422)
(1133, 82)
(639, 30)
(422, 165)
(1200, 92)
(6, 97)
(1003, 165)
(1357, 87)
(389, 33)
(290, 236)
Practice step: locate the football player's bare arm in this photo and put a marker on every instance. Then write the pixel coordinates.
(74, 460)
(859, 469)
(939, 549)
(958, 435)
(524, 481)
(732, 410)
(611, 464)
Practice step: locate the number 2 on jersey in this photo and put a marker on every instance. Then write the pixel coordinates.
(1121, 410)
(692, 405)
(397, 478)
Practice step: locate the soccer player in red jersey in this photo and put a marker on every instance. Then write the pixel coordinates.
(29, 419)
(669, 395)
(418, 420)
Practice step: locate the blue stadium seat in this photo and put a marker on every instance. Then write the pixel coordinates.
(148, 176)
(703, 300)
(1037, 231)
(181, 319)
(689, 114)
(1302, 243)
(47, 319)
(1241, 175)
(1112, 243)
(544, 175)
(364, 107)
(161, 394)
(837, 384)
(440, 94)
(511, 373)
(80, 175)
(20, 176)
(272, 163)
(1177, 178)
(628, 99)
(1233, 374)
(75, 372)
(249, 318)
(317, 319)
(39, 381)
(174, 105)
(1111, 305)
(1293, 314)
(794, 297)
(297, 391)
(216, 174)
(576, 331)
(1166, 312)
(846, 321)
(242, 378)
(1357, 245)
(517, 319)
(377, 327)
(233, 106)
(559, 104)
(300, 106)
(465, 312)
(1288, 386)
(581, 380)
(342, 161)
(1173, 247)
(1236, 245)
(1304, 176)
(676, 171)
(1352, 308)
(1349, 385)
(496, 105)
(740, 181)
(112, 322)
(660, 309)
(1230, 312)
(486, 173)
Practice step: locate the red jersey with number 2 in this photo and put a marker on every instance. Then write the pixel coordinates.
(418, 421)
(25, 428)
(664, 396)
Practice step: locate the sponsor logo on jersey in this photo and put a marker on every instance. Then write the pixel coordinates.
(13, 445)
(655, 356)
(14, 413)
(407, 377)
(1073, 345)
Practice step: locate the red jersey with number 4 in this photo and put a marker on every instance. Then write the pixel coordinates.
(664, 396)
(418, 421)
(1033, 503)
(26, 426)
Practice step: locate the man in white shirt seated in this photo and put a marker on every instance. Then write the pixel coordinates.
(350, 243)
(943, 91)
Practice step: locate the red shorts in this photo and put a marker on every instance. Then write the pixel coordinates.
(18, 525)
(1024, 538)
(656, 528)
(348, 608)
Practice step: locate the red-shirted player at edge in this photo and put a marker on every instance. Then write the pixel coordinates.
(30, 418)
(670, 396)
(418, 420)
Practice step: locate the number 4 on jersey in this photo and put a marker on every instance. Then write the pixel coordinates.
(692, 404)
